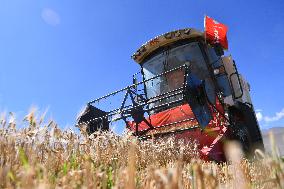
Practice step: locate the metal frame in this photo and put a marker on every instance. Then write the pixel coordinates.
(141, 103)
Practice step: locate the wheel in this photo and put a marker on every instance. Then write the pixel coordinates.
(245, 129)
(242, 135)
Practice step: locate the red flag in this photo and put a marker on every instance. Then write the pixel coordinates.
(216, 32)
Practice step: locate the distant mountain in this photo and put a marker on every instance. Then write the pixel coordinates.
(278, 133)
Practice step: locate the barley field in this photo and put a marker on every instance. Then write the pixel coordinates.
(41, 155)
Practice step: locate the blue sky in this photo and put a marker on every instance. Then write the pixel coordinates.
(61, 54)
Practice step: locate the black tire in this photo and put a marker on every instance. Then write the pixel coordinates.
(245, 128)
(242, 135)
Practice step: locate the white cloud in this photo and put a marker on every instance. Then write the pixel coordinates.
(259, 116)
(276, 117)
(50, 17)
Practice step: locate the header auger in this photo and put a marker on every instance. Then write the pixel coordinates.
(187, 89)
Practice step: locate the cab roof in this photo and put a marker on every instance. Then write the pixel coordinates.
(162, 40)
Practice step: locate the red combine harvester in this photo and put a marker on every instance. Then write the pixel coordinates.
(187, 89)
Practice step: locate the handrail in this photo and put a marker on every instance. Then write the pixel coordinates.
(134, 85)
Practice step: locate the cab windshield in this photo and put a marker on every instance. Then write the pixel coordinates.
(173, 57)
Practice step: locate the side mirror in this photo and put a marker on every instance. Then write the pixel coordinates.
(218, 49)
(196, 97)
(134, 82)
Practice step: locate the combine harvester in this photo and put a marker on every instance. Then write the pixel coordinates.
(186, 88)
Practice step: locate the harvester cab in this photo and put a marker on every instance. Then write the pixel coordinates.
(186, 88)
